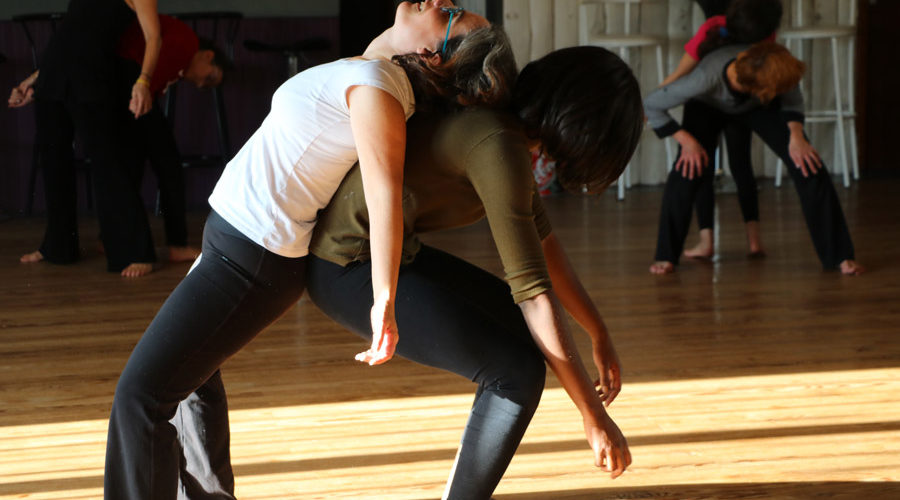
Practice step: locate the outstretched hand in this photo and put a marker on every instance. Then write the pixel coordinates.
(610, 448)
(384, 333)
(609, 384)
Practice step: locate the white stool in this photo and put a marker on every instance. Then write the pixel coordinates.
(587, 14)
(839, 115)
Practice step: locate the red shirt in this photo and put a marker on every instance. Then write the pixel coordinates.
(713, 23)
(179, 44)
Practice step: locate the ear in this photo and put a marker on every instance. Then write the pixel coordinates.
(429, 55)
(207, 55)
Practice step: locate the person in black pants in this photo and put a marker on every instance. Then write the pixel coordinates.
(75, 95)
(452, 315)
(740, 84)
(729, 22)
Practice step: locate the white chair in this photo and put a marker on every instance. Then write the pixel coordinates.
(620, 38)
(840, 114)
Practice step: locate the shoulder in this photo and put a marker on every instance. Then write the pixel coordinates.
(382, 74)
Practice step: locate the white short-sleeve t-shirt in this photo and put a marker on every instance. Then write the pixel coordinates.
(292, 165)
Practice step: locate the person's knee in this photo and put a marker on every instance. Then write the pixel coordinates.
(522, 379)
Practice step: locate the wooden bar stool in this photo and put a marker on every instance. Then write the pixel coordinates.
(621, 39)
(840, 114)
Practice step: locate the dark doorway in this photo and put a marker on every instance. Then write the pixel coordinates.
(877, 78)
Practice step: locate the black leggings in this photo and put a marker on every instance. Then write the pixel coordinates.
(818, 199)
(453, 316)
(236, 290)
(737, 138)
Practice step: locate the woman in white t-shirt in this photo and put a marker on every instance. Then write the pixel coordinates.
(264, 207)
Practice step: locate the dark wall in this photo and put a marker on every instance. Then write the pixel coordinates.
(877, 99)
(247, 93)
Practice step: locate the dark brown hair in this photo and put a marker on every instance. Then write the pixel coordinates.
(477, 69)
(584, 105)
(746, 21)
(767, 69)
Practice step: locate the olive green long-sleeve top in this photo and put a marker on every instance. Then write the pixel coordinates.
(459, 169)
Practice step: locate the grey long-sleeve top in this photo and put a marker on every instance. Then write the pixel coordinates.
(707, 83)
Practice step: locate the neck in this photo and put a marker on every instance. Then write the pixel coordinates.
(381, 47)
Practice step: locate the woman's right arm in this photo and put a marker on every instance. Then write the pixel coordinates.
(148, 18)
(544, 318)
(379, 130)
(685, 66)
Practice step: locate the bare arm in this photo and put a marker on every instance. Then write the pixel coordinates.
(576, 301)
(379, 129)
(542, 313)
(148, 18)
(685, 65)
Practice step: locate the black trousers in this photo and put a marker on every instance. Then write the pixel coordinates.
(737, 140)
(234, 292)
(150, 138)
(818, 199)
(459, 318)
(124, 228)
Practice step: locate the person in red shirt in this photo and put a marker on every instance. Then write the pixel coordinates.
(744, 21)
(183, 56)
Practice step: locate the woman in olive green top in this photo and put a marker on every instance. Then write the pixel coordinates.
(455, 316)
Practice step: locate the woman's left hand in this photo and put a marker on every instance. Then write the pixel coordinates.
(805, 157)
(141, 100)
(384, 333)
(607, 361)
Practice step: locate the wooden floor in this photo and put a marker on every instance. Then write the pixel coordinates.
(743, 379)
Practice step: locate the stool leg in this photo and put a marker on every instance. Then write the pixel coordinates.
(624, 179)
(839, 109)
(778, 167)
(851, 108)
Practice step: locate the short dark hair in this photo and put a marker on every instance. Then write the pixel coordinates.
(584, 105)
(220, 58)
(746, 21)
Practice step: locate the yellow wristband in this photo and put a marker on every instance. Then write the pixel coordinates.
(143, 81)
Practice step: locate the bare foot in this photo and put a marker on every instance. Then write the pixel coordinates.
(754, 241)
(183, 254)
(31, 258)
(851, 268)
(137, 270)
(662, 267)
(704, 249)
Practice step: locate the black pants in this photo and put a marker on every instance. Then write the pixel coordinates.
(124, 228)
(150, 138)
(737, 139)
(818, 199)
(236, 290)
(453, 316)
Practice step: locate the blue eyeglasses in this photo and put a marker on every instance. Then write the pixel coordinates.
(452, 11)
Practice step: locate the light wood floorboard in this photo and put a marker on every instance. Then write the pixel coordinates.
(744, 379)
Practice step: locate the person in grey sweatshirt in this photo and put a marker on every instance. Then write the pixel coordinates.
(758, 86)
